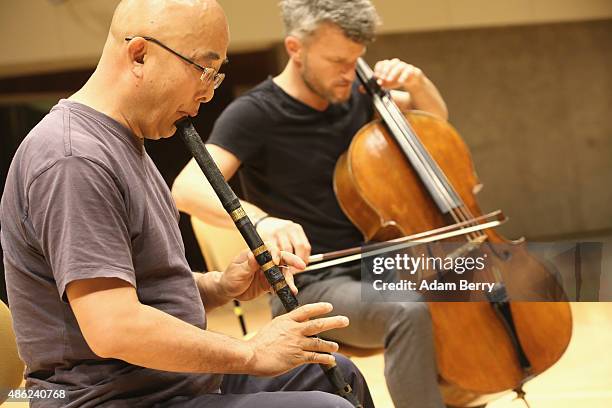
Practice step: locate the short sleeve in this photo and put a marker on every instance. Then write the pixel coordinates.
(240, 129)
(80, 220)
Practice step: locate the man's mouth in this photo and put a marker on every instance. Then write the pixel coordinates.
(188, 114)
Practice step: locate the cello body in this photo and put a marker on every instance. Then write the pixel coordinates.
(385, 198)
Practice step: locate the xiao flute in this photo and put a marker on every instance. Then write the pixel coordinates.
(272, 272)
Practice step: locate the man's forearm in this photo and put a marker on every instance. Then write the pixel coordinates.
(195, 196)
(210, 289)
(154, 339)
(427, 98)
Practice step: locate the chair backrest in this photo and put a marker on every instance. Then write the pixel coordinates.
(218, 245)
(11, 366)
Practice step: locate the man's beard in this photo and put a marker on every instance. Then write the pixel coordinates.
(317, 88)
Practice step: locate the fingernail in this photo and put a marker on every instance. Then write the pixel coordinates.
(345, 320)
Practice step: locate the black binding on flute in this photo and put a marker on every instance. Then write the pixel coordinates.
(273, 274)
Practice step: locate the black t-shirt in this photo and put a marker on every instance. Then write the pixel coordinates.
(288, 152)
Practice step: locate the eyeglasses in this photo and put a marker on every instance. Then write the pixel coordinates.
(208, 74)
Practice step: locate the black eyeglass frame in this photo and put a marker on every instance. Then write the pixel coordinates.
(207, 72)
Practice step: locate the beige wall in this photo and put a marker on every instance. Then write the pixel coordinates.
(43, 35)
(46, 35)
(534, 104)
(533, 101)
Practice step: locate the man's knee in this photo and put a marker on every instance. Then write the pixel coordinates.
(326, 400)
(347, 367)
(413, 316)
(417, 312)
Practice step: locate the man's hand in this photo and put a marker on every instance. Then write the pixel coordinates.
(396, 74)
(244, 280)
(285, 342)
(286, 236)
(410, 87)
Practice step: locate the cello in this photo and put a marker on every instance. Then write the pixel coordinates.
(483, 348)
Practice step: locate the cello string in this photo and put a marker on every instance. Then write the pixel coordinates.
(393, 117)
(400, 123)
(385, 106)
(441, 184)
(428, 163)
(467, 213)
(428, 166)
(462, 212)
(431, 182)
(434, 169)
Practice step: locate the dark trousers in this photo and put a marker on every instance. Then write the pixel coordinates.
(302, 387)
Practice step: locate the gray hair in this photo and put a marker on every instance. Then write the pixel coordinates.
(356, 18)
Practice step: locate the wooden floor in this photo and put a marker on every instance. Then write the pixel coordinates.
(582, 378)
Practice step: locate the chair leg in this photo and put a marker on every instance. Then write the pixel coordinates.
(240, 314)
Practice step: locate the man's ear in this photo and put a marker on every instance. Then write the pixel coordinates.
(137, 50)
(294, 48)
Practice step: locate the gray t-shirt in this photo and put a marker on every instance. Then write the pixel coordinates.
(83, 200)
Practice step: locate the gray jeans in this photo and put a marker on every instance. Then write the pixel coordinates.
(402, 328)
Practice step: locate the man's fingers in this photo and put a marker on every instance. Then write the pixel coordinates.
(395, 72)
(283, 242)
(293, 264)
(320, 325)
(384, 68)
(404, 77)
(274, 250)
(319, 345)
(300, 243)
(378, 67)
(387, 67)
(292, 260)
(311, 357)
(306, 312)
(252, 262)
(242, 256)
(289, 279)
(380, 70)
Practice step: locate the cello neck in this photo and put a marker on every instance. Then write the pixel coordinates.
(432, 177)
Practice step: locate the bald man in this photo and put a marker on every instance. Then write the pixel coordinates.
(106, 310)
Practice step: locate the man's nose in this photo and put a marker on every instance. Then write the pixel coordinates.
(206, 94)
(349, 75)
